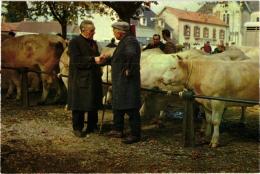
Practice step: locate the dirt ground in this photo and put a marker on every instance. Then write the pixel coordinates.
(39, 139)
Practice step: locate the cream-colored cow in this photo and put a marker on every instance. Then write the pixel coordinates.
(229, 79)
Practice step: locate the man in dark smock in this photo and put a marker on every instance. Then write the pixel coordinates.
(85, 85)
(126, 83)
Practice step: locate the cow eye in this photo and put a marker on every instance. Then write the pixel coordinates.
(173, 68)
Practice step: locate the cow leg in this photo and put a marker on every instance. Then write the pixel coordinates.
(203, 117)
(58, 87)
(10, 89)
(46, 81)
(217, 112)
(17, 82)
(142, 110)
(208, 126)
(34, 81)
(65, 81)
(16, 79)
(108, 98)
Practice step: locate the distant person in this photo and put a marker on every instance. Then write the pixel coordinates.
(11, 33)
(112, 43)
(156, 43)
(227, 45)
(220, 48)
(207, 48)
(170, 46)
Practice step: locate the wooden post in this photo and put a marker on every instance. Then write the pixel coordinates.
(188, 120)
(25, 94)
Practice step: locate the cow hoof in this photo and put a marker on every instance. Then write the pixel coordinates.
(213, 145)
(66, 108)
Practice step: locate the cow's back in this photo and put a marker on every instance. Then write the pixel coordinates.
(31, 50)
(231, 79)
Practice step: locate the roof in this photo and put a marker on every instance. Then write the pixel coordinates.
(252, 24)
(195, 16)
(9, 26)
(253, 5)
(207, 7)
(39, 27)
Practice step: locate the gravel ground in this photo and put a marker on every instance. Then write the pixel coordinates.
(39, 139)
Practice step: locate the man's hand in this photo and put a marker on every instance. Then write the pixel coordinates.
(99, 60)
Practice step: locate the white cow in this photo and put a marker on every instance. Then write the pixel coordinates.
(251, 52)
(229, 79)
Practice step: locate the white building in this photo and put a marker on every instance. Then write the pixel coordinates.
(236, 14)
(251, 30)
(193, 28)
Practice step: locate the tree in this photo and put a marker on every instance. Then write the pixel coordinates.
(64, 12)
(125, 9)
(128, 9)
(15, 11)
(67, 12)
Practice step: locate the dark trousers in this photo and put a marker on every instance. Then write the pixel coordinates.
(134, 120)
(78, 120)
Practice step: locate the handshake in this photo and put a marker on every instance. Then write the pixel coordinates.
(102, 58)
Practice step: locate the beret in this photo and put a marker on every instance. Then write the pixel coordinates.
(124, 26)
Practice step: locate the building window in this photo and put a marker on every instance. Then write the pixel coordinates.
(161, 23)
(143, 21)
(224, 17)
(228, 19)
(222, 34)
(205, 32)
(186, 30)
(257, 19)
(214, 34)
(196, 32)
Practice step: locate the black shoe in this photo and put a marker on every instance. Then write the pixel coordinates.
(115, 134)
(131, 139)
(79, 133)
(88, 131)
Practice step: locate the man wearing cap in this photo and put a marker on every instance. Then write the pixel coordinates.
(126, 83)
(85, 85)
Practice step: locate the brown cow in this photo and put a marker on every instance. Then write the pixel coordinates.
(35, 52)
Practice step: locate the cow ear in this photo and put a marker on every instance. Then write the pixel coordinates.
(179, 58)
(180, 61)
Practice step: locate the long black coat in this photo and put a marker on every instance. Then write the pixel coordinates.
(126, 89)
(85, 85)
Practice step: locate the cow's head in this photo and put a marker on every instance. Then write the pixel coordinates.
(176, 74)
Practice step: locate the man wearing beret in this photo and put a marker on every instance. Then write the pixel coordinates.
(126, 83)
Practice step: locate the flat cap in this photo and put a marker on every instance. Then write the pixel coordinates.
(124, 26)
